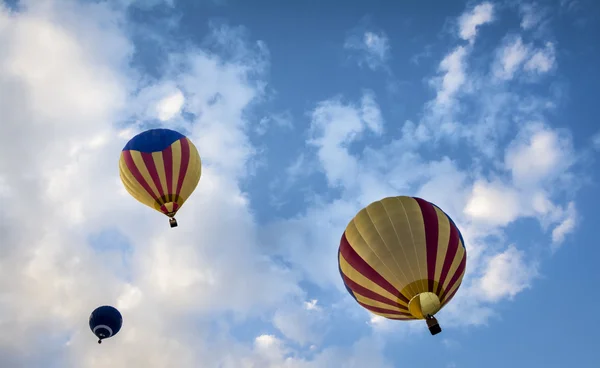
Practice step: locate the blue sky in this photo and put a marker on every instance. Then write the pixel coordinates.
(303, 113)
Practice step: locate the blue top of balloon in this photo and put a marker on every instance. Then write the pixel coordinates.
(153, 140)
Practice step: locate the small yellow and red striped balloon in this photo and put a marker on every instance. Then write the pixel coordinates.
(160, 168)
(402, 258)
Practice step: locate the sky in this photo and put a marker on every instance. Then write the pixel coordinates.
(303, 112)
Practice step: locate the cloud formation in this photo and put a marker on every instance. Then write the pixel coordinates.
(470, 22)
(372, 48)
(74, 239)
(528, 174)
(516, 56)
(64, 108)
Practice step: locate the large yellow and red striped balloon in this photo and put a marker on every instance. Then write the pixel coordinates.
(402, 258)
(160, 168)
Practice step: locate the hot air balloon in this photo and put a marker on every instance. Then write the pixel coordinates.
(402, 258)
(105, 322)
(160, 168)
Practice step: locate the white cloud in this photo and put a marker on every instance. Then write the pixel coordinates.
(454, 68)
(311, 305)
(566, 226)
(488, 204)
(372, 47)
(335, 125)
(271, 349)
(378, 321)
(162, 100)
(538, 154)
(377, 44)
(415, 134)
(493, 203)
(304, 324)
(67, 70)
(571, 6)
(213, 265)
(531, 15)
(512, 56)
(64, 108)
(147, 4)
(542, 60)
(539, 160)
(481, 206)
(480, 108)
(469, 22)
(170, 106)
(541, 204)
(515, 56)
(281, 120)
(271, 352)
(506, 275)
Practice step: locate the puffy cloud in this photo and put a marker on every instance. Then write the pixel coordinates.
(531, 15)
(61, 109)
(512, 56)
(74, 239)
(538, 154)
(469, 22)
(493, 203)
(506, 275)
(334, 125)
(542, 60)
(373, 48)
(515, 56)
(281, 120)
(272, 352)
(480, 206)
(170, 106)
(538, 159)
(304, 324)
(566, 226)
(377, 44)
(454, 77)
(147, 4)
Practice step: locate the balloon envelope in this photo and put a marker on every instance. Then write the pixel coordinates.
(402, 258)
(105, 322)
(160, 168)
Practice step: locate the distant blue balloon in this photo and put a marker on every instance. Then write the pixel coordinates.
(105, 321)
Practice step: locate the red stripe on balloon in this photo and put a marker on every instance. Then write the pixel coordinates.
(456, 275)
(384, 311)
(136, 173)
(151, 167)
(449, 298)
(450, 254)
(185, 160)
(430, 220)
(366, 270)
(363, 291)
(167, 154)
